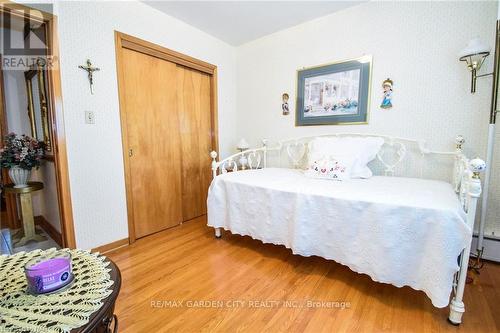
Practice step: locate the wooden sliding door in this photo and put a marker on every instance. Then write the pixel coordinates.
(167, 108)
(193, 98)
(153, 141)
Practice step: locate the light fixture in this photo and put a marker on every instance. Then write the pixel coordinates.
(242, 146)
(474, 55)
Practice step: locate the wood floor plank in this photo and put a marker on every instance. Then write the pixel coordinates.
(185, 280)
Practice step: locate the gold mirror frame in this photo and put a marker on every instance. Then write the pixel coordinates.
(38, 72)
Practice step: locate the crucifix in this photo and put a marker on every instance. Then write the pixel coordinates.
(90, 70)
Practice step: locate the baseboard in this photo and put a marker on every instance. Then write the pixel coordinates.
(491, 246)
(111, 246)
(49, 229)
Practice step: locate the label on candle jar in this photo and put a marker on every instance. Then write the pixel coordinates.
(46, 275)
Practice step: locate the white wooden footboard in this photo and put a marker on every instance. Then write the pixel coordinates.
(465, 180)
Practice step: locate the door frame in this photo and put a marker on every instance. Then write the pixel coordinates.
(56, 115)
(124, 41)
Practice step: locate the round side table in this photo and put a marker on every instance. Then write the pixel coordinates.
(29, 231)
(103, 319)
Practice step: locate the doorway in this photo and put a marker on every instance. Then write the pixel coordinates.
(31, 104)
(168, 117)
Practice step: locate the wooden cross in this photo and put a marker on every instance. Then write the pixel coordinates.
(90, 70)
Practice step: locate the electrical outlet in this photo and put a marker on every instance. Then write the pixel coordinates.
(89, 117)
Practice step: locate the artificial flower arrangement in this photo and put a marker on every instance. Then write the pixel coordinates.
(21, 151)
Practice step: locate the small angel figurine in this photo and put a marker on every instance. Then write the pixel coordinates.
(387, 86)
(284, 106)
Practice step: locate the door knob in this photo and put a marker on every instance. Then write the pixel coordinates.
(130, 152)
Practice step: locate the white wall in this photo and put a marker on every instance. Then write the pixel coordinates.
(16, 101)
(414, 43)
(86, 30)
(45, 202)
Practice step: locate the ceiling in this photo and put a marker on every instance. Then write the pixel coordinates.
(238, 22)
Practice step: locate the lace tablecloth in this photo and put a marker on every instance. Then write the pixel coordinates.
(57, 312)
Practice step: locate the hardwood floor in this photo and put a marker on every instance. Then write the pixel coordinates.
(185, 280)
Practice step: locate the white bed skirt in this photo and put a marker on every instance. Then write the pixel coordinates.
(402, 231)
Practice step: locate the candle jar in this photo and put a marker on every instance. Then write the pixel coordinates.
(48, 274)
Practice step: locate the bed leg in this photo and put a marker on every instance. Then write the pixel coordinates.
(457, 310)
(218, 232)
(457, 307)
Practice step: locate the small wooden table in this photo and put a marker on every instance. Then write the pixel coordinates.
(103, 319)
(29, 231)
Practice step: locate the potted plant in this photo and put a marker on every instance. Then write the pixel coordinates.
(20, 154)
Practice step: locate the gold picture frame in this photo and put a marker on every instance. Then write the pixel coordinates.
(361, 117)
(38, 106)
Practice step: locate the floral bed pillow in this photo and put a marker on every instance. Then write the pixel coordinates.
(362, 149)
(331, 168)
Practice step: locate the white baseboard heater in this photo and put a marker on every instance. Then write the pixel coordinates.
(491, 248)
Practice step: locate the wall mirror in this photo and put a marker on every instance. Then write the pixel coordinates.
(38, 106)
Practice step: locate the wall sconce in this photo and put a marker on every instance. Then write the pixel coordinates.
(474, 55)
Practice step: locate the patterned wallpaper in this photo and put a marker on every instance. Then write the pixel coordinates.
(414, 43)
(86, 30)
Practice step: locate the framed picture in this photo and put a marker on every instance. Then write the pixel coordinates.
(334, 94)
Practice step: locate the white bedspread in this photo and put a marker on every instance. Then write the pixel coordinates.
(402, 231)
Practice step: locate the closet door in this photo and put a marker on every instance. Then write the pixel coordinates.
(193, 102)
(150, 103)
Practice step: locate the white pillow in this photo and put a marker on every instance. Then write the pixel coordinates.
(330, 168)
(361, 150)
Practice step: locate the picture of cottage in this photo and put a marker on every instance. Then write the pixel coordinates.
(332, 94)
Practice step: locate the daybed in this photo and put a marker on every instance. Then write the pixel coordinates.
(402, 226)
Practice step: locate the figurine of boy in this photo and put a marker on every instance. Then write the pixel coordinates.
(284, 105)
(386, 102)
